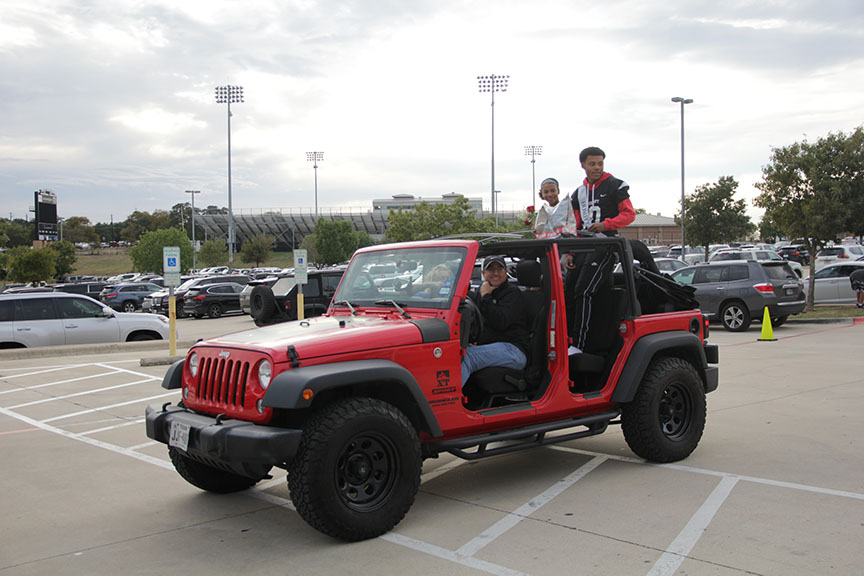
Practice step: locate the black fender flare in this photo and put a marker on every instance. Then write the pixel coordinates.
(173, 378)
(647, 348)
(286, 389)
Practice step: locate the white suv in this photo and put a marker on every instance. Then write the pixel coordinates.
(838, 254)
(34, 319)
(754, 254)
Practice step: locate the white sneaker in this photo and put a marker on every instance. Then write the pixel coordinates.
(573, 350)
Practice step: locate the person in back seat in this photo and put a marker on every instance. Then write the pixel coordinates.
(504, 339)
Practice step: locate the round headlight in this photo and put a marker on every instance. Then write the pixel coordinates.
(265, 372)
(193, 364)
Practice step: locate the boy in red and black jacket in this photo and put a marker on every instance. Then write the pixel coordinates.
(602, 202)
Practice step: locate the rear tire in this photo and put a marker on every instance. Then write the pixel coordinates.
(208, 478)
(735, 317)
(665, 420)
(128, 306)
(214, 310)
(357, 470)
(778, 321)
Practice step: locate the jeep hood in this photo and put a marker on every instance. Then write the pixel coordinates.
(324, 336)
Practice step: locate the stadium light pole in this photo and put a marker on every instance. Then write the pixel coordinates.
(193, 192)
(533, 151)
(315, 157)
(229, 95)
(493, 83)
(682, 101)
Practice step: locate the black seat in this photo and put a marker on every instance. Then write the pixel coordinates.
(588, 370)
(499, 385)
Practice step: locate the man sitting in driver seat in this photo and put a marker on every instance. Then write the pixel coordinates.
(504, 339)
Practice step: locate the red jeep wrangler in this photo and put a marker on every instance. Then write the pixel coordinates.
(351, 403)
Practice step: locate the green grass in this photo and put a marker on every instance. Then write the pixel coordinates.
(112, 261)
(831, 311)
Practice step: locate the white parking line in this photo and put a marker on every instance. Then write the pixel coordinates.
(490, 534)
(58, 382)
(99, 409)
(444, 554)
(680, 548)
(85, 393)
(115, 427)
(143, 445)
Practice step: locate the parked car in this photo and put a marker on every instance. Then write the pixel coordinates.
(92, 289)
(831, 283)
(737, 292)
(795, 253)
(838, 254)
(669, 265)
(158, 301)
(278, 303)
(768, 255)
(214, 300)
(127, 297)
(29, 320)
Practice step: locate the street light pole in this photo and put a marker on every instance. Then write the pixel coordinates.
(492, 84)
(533, 151)
(315, 157)
(682, 101)
(193, 192)
(229, 95)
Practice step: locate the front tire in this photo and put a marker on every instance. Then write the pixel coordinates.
(665, 420)
(208, 478)
(735, 317)
(357, 469)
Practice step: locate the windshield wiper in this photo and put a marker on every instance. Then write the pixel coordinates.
(395, 305)
(346, 303)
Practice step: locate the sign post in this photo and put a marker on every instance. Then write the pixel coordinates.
(301, 277)
(171, 274)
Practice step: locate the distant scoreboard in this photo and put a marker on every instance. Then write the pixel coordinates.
(46, 214)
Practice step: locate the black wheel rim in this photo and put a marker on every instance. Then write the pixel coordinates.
(366, 471)
(675, 411)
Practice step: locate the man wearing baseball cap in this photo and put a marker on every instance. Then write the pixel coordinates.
(504, 339)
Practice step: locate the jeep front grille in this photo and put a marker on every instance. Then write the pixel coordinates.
(223, 382)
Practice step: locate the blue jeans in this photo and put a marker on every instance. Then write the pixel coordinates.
(496, 354)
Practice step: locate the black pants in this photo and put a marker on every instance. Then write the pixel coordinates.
(593, 273)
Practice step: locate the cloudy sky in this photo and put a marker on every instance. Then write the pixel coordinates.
(110, 103)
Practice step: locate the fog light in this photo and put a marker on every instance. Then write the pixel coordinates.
(260, 405)
(186, 393)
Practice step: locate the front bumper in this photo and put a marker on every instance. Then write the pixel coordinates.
(241, 447)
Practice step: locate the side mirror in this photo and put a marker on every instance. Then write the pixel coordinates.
(107, 312)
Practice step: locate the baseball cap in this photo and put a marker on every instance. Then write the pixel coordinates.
(492, 259)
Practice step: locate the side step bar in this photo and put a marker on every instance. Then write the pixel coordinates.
(521, 438)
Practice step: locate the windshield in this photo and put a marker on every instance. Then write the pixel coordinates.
(420, 278)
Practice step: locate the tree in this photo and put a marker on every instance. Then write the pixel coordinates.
(213, 253)
(309, 242)
(713, 216)
(147, 254)
(27, 265)
(428, 221)
(17, 233)
(79, 229)
(257, 249)
(136, 225)
(65, 258)
(813, 191)
(335, 241)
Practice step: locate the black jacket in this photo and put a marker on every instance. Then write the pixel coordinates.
(504, 316)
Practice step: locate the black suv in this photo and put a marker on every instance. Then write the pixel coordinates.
(158, 302)
(214, 300)
(271, 302)
(795, 253)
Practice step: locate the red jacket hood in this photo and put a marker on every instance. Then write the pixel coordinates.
(604, 176)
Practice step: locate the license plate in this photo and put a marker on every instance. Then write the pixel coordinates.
(179, 437)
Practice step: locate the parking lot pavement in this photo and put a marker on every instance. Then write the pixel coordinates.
(775, 487)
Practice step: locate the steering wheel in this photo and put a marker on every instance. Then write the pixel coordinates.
(471, 324)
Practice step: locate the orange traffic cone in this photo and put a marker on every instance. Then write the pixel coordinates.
(767, 330)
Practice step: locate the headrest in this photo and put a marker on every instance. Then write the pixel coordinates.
(529, 273)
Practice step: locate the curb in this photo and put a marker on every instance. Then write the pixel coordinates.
(87, 349)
